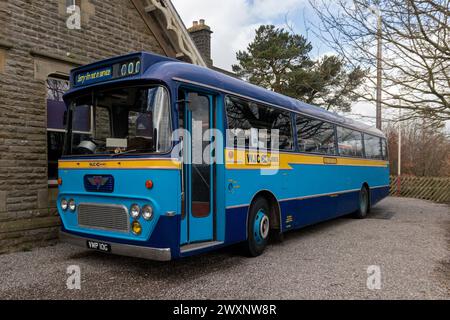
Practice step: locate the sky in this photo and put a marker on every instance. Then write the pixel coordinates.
(234, 22)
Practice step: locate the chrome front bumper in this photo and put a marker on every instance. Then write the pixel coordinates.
(121, 249)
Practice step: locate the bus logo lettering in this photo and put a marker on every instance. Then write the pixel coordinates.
(97, 164)
(258, 159)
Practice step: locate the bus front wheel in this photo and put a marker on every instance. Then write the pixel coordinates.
(258, 228)
(364, 203)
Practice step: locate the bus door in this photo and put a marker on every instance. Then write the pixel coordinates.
(198, 220)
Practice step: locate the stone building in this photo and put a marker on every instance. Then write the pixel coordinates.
(201, 34)
(40, 41)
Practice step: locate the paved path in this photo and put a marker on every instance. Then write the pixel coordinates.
(408, 239)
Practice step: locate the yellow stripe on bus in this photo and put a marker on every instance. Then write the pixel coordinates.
(240, 159)
(122, 164)
(235, 159)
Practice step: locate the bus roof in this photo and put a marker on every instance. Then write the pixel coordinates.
(166, 69)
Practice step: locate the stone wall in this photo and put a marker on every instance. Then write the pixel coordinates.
(34, 43)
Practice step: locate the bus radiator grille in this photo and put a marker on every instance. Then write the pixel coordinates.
(103, 217)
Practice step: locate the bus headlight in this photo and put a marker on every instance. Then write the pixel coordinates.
(135, 211)
(72, 205)
(147, 212)
(64, 204)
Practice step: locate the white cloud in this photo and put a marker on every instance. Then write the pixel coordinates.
(268, 9)
(233, 21)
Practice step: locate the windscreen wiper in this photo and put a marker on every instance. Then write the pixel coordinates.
(127, 152)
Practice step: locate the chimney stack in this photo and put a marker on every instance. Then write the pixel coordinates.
(201, 35)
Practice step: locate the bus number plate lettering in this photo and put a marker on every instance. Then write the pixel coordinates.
(98, 246)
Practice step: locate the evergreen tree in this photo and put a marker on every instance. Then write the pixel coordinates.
(280, 61)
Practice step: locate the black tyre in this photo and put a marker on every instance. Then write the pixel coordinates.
(258, 228)
(276, 236)
(364, 203)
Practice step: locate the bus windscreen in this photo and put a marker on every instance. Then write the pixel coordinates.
(118, 121)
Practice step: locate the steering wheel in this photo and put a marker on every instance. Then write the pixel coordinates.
(87, 147)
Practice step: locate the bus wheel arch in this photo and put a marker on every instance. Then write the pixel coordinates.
(274, 207)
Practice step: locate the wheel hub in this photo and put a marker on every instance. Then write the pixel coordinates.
(261, 227)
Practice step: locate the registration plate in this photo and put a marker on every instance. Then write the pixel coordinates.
(99, 246)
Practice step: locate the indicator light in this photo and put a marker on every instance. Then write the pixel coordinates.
(149, 184)
(136, 228)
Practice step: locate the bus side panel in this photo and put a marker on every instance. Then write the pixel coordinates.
(241, 187)
(378, 194)
(307, 193)
(300, 213)
(347, 203)
(236, 224)
(167, 235)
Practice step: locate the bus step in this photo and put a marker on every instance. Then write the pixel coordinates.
(199, 246)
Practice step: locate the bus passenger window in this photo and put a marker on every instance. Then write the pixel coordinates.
(350, 143)
(246, 118)
(373, 147)
(315, 136)
(282, 122)
(385, 149)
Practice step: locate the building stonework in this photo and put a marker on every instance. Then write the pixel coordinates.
(201, 34)
(36, 43)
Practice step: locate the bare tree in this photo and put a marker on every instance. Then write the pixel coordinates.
(416, 49)
(420, 155)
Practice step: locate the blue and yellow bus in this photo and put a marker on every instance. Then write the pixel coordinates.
(128, 188)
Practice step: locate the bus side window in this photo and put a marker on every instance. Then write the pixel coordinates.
(373, 147)
(385, 149)
(247, 119)
(350, 143)
(315, 136)
(283, 123)
(238, 123)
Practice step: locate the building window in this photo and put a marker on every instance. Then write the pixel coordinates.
(56, 112)
(70, 3)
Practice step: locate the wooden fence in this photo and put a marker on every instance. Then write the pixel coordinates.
(427, 188)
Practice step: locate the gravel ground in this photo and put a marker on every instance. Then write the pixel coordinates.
(409, 239)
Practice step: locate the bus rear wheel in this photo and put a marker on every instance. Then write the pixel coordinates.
(364, 203)
(258, 228)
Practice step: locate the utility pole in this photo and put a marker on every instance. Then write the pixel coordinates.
(379, 66)
(399, 171)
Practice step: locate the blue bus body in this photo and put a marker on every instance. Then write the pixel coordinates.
(308, 188)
